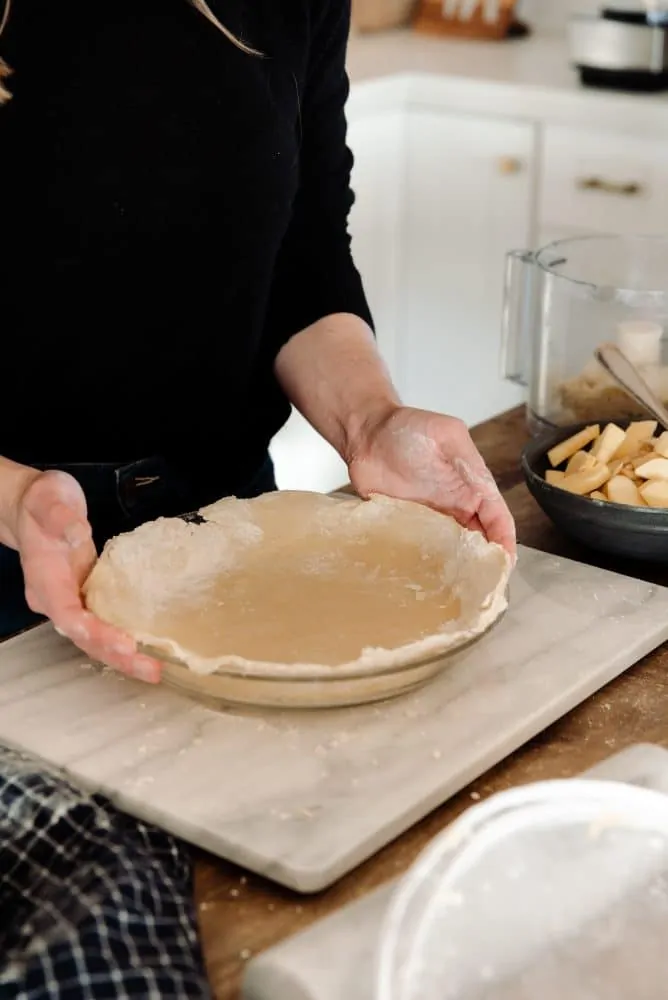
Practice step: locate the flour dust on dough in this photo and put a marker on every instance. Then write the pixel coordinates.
(301, 582)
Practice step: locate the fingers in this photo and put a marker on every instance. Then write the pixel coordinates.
(498, 525)
(476, 525)
(488, 515)
(57, 524)
(101, 642)
(57, 553)
(62, 523)
(491, 510)
(106, 644)
(53, 589)
(51, 490)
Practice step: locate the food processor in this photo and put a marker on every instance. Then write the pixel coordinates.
(561, 302)
(623, 45)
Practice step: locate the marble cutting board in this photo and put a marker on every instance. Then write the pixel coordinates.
(303, 798)
(311, 965)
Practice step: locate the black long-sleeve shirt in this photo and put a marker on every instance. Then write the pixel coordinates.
(172, 211)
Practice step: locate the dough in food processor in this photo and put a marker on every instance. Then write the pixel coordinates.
(301, 582)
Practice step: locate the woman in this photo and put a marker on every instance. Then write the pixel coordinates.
(176, 271)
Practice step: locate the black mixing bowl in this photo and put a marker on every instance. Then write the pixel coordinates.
(631, 532)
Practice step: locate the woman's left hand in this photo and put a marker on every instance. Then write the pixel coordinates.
(431, 459)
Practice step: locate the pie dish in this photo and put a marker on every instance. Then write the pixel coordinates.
(301, 599)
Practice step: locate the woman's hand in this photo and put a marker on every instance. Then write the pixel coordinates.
(50, 528)
(431, 459)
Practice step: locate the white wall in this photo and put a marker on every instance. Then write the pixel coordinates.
(551, 15)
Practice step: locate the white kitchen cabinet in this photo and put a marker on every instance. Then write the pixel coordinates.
(467, 200)
(303, 459)
(379, 149)
(440, 198)
(603, 182)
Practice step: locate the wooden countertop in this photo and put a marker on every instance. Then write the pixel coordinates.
(242, 915)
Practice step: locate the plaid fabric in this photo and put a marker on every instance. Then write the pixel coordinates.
(92, 903)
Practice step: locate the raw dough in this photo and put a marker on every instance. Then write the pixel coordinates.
(301, 582)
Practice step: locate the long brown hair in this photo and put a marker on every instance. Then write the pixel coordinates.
(4, 68)
(201, 5)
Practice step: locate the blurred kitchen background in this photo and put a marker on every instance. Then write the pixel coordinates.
(464, 149)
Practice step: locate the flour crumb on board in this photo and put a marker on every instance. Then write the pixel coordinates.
(436, 754)
(475, 796)
(245, 954)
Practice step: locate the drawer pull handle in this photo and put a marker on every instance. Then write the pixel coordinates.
(628, 189)
(509, 165)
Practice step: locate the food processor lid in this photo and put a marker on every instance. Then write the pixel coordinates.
(556, 889)
(611, 267)
(630, 12)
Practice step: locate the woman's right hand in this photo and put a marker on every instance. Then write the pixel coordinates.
(55, 542)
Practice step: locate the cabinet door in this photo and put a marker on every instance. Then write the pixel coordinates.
(377, 143)
(303, 459)
(469, 190)
(602, 182)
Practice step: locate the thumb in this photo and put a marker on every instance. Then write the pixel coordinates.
(60, 522)
(56, 504)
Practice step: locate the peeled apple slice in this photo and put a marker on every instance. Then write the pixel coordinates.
(586, 481)
(654, 468)
(605, 446)
(579, 461)
(636, 434)
(655, 493)
(577, 442)
(554, 477)
(619, 489)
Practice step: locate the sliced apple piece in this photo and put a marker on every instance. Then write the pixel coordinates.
(563, 451)
(636, 434)
(644, 459)
(586, 481)
(655, 493)
(579, 461)
(606, 445)
(597, 495)
(661, 445)
(554, 476)
(653, 468)
(615, 468)
(619, 489)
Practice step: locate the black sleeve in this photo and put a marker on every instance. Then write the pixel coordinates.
(314, 274)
